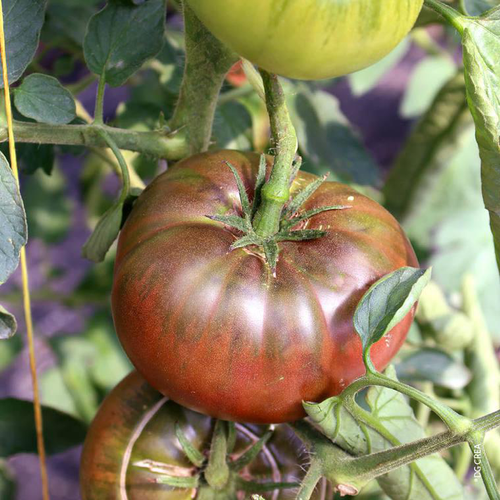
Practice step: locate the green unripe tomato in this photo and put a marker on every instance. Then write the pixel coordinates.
(309, 39)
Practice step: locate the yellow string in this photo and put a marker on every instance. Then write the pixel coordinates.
(24, 271)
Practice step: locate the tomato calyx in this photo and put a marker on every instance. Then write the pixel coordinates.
(292, 221)
(218, 471)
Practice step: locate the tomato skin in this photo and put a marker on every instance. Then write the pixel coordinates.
(213, 329)
(135, 423)
(309, 39)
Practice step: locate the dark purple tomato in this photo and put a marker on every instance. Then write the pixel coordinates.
(136, 426)
(213, 329)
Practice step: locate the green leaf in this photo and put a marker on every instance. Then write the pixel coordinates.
(7, 482)
(434, 365)
(121, 38)
(8, 324)
(13, 227)
(481, 43)
(88, 366)
(9, 351)
(67, 20)
(427, 79)
(447, 219)
(32, 157)
(363, 81)
(477, 7)
(327, 140)
(17, 428)
(45, 100)
(392, 423)
(104, 235)
(233, 127)
(387, 302)
(48, 207)
(23, 20)
(428, 148)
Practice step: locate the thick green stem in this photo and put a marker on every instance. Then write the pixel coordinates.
(207, 63)
(99, 103)
(276, 191)
(451, 15)
(308, 485)
(156, 144)
(482, 464)
(454, 421)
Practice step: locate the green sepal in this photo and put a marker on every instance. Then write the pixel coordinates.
(302, 196)
(251, 454)
(301, 235)
(179, 481)
(255, 487)
(217, 472)
(233, 221)
(271, 251)
(194, 456)
(261, 180)
(231, 436)
(245, 202)
(288, 223)
(244, 241)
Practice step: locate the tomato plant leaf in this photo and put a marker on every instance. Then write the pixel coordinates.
(481, 43)
(13, 227)
(427, 79)
(387, 302)
(233, 127)
(17, 428)
(327, 140)
(44, 99)
(433, 139)
(7, 484)
(88, 365)
(104, 235)
(8, 324)
(68, 21)
(23, 20)
(392, 423)
(436, 366)
(120, 38)
(477, 7)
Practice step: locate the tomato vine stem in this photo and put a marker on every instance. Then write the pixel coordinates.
(207, 63)
(99, 103)
(451, 15)
(276, 191)
(155, 143)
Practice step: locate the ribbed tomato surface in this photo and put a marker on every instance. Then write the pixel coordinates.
(309, 39)
(213, 329)
(136, 424)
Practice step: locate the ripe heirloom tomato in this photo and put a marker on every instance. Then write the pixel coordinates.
(213, 329)
(309, 39)
(136, 423)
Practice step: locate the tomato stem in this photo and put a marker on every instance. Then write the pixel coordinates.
(99, 103)
(452, 16)
(276, 191)
(207, 63)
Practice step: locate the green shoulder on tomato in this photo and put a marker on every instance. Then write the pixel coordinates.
(309, 39)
